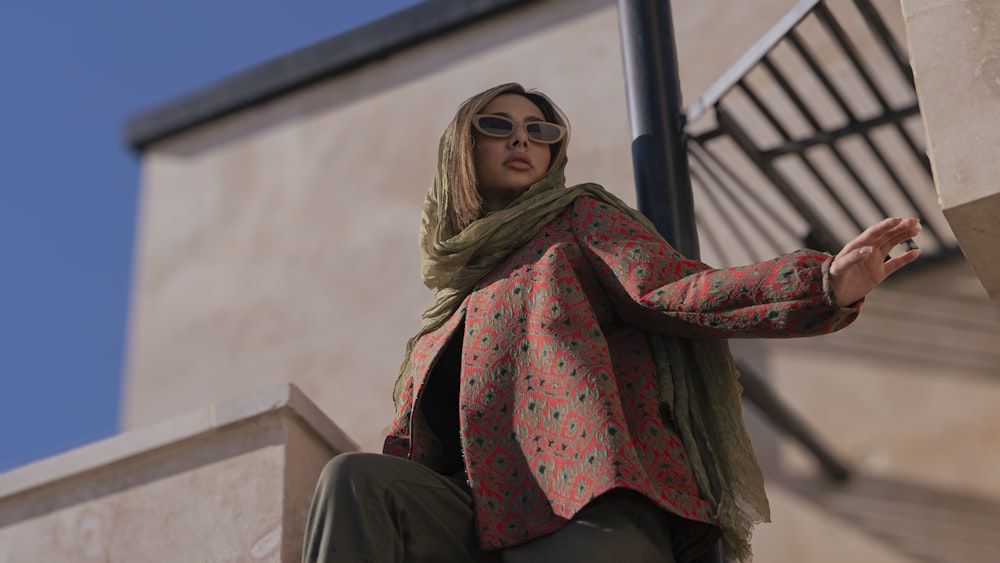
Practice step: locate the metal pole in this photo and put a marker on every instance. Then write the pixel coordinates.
(659, 157)
(662, 182)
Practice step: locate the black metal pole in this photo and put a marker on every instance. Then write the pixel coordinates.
(662, 181)
(659, 157)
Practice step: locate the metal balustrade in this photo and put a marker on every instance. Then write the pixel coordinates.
(812, 135)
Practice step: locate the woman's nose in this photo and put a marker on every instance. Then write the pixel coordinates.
(519, 136)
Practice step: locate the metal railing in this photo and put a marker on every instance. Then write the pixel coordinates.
(805, 141)
(813, 135)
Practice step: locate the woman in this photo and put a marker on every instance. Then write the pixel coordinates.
(570, 396)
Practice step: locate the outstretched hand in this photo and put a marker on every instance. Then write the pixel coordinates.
(861, 264)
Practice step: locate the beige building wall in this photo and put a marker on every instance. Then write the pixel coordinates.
(907, 397)
(279, 244)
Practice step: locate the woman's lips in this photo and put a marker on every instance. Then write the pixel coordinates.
(518, 162)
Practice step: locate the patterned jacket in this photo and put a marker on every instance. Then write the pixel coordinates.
(558, 399)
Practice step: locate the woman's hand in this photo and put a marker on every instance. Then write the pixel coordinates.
(861, 264)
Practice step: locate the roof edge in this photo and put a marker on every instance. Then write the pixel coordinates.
(300, 68)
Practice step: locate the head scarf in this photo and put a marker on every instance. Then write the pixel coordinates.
(698, 381)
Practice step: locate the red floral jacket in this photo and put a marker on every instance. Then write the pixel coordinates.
(558, 398)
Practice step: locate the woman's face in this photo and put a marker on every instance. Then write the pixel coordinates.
(506, 167)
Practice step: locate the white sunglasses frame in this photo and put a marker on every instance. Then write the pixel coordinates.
(515, 125)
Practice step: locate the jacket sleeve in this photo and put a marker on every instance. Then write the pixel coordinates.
(652, 286)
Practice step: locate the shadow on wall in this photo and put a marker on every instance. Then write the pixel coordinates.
(936, 321)
(920, 522)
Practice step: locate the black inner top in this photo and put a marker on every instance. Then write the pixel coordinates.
(440, 403)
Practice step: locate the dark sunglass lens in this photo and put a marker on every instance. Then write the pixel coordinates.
(495, 125)
(542, 132)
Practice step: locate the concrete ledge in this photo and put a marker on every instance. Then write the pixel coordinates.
(954, 46)
(229, 482)
(977, 227)
(184, 427)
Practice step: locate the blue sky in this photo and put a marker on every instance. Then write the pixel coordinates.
(71, 73)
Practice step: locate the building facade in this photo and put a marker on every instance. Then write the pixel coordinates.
(277, 245)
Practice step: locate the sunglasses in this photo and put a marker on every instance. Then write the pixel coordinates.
(500, 126)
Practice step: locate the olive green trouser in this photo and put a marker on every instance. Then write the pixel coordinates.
(374, 508)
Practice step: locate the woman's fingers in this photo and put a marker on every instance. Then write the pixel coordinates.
(905, 229)
(886, 235)
(862, 264)
(898, 262)
(875, 235)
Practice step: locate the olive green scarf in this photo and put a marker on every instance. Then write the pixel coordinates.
(698, 382)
